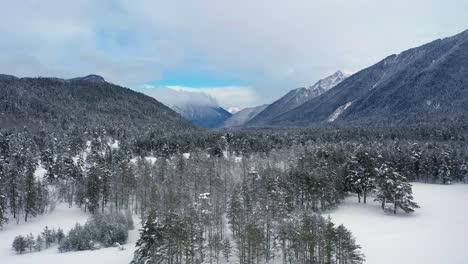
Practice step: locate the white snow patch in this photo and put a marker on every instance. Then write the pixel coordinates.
(338, 112)
(65, 218)
(40, 172)
(114, 145)
(436, 233)
(149, 159)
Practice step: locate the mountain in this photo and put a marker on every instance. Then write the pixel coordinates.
(81, 104)
(207, 116)
(243, 116)
(297, 97)
(423, 85)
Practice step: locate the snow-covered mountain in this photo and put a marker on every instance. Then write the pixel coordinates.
(422, 85)
(87, 102)
(296, 98)
(208, 116)
(243, 116)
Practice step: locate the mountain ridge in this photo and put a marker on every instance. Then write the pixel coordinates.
(296, 97)
(424, 84)
(81, 104)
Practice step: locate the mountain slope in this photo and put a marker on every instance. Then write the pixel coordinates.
(427, 84)
(243, 116)
(81, 104)
(297, 97)
(206, 116)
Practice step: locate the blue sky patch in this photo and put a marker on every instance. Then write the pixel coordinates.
(196, 80)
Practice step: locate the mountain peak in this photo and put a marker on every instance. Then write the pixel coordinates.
(90, 78)
(329, 82)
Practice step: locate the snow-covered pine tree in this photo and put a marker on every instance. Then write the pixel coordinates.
(361, 174)
(48, 238)
(19, 244)
(30, 242)
(444, 172)
(30, 193)
(39, 242)
(150, 246)
(394, 188)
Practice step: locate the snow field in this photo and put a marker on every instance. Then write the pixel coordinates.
(65, 218)
(437, 233)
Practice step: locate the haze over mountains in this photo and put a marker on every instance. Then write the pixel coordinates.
(243, 116)
(207, 116)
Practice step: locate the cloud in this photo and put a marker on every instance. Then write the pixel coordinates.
(227, 96)
(271, 46)
(214, 96)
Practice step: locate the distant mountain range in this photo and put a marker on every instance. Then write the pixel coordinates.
(207, 116)
(423, 85)
(243, 116)
(85, 103)
(296, 98)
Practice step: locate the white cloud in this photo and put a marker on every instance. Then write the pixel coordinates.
(225, 97)
(270, 45)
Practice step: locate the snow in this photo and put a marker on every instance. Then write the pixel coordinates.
(64, 218)
(40, 171)
(114, 145)
(338, 112)
(329, 82)
(436, 233)
(149, 159)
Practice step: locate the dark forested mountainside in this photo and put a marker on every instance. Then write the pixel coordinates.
(423, 85)
(81, 105)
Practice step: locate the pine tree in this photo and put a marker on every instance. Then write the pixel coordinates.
(60, 235)
(361, 174)
(392, 187)
(227, 249)
(30, 207)
(48, 238)
(150, 246)
(38, 244)
(19, 244)
(30, 242)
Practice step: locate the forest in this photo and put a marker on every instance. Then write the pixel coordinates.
(246, 196)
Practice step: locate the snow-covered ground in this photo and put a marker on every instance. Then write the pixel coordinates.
(64, 218)
(437, 233)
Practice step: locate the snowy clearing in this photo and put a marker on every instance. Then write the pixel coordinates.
(64, 218)
(436, 233)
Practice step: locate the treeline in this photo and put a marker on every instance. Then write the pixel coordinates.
(35, 244)
(101, 230)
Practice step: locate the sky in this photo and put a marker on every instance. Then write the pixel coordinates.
(232, 53)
